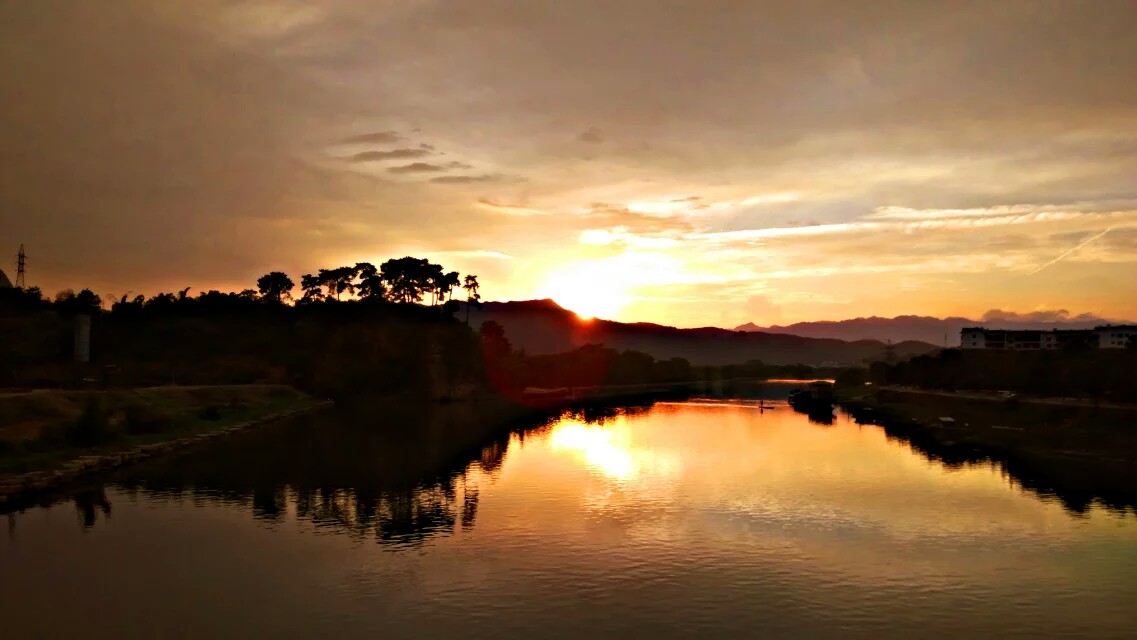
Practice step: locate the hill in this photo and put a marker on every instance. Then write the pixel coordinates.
(541, 326)
(926, 328)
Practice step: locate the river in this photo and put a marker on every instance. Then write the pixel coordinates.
(690, 519)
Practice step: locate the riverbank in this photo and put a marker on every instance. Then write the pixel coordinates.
(51, 438)
(1103, 433)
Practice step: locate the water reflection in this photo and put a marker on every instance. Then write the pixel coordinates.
(682, 520)
(90, 503)
(405, 485)
(607, 448)
(398, 487)
(1077, 484)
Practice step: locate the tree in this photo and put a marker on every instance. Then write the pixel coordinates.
(70, 303)
(406, 278)
(494, 342)
(432, 280)
(21, 299)
(275, 286)
(313, 287)
(449, 283)
(339, 280)
(472, 297)
(370, 286)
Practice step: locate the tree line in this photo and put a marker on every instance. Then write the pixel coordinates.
(406, 280)
(1105, 374)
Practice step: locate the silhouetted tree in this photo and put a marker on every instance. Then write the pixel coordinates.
(29, 299)
(370, 286)
(275, 286)
(67, 302)
(339, 280)
(313, 287)
(472, 296)
(494, 342)
(407, 278)
(449, 283)
(432, 281)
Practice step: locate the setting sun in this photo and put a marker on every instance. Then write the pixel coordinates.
(588, 289)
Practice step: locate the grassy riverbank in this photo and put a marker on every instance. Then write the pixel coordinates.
(1107, 433)
(44, 429)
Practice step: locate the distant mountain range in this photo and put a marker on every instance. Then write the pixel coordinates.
(937, 331)
(541, 326)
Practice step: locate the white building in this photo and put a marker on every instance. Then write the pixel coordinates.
(1115, 337)
(1104, 337)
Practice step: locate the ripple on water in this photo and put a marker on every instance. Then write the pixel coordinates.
(695, 520)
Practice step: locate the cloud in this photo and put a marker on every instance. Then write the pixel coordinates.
(477, 254)
(425, 167)
(490, 177)
(378, 137)
(394, 154)
(1053, 315)
(591, 135)
(509, 208)
(968, 148)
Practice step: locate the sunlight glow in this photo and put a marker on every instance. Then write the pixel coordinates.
(605, 448)
(588, 289)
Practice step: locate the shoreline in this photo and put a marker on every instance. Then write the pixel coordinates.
(20, 487)
(999, 426)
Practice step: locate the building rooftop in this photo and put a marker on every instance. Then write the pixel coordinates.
(5, 283)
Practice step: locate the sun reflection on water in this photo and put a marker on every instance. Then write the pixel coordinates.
(608, 449)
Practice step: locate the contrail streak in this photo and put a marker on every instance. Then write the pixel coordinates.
(1067, 253)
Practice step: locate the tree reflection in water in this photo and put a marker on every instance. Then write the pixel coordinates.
(89, 503)
(418, 476)
(1077, 484)
(397, 485)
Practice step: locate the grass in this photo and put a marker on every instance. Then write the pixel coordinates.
(43, 429)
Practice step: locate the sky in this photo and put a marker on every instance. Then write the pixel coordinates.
(690, 163)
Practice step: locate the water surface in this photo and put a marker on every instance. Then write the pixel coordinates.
(694, 519)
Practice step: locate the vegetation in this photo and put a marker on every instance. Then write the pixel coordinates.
(40, 429)
(1098, 374)
(360, 330)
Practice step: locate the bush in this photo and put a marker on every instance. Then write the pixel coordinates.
(141, 419)
(92, 427)
(211, 413)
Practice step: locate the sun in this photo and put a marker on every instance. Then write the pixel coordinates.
(590, 290)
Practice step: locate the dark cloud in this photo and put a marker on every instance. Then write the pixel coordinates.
(394, 154)
(417, 167)
(489, 177)
(426, 167)
(378, 137)
(955, 104)
(591, 135)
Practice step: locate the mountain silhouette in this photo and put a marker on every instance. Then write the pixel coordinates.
(927, 328)
(542, 326)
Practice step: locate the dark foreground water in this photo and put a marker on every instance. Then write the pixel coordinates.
(687, 520)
